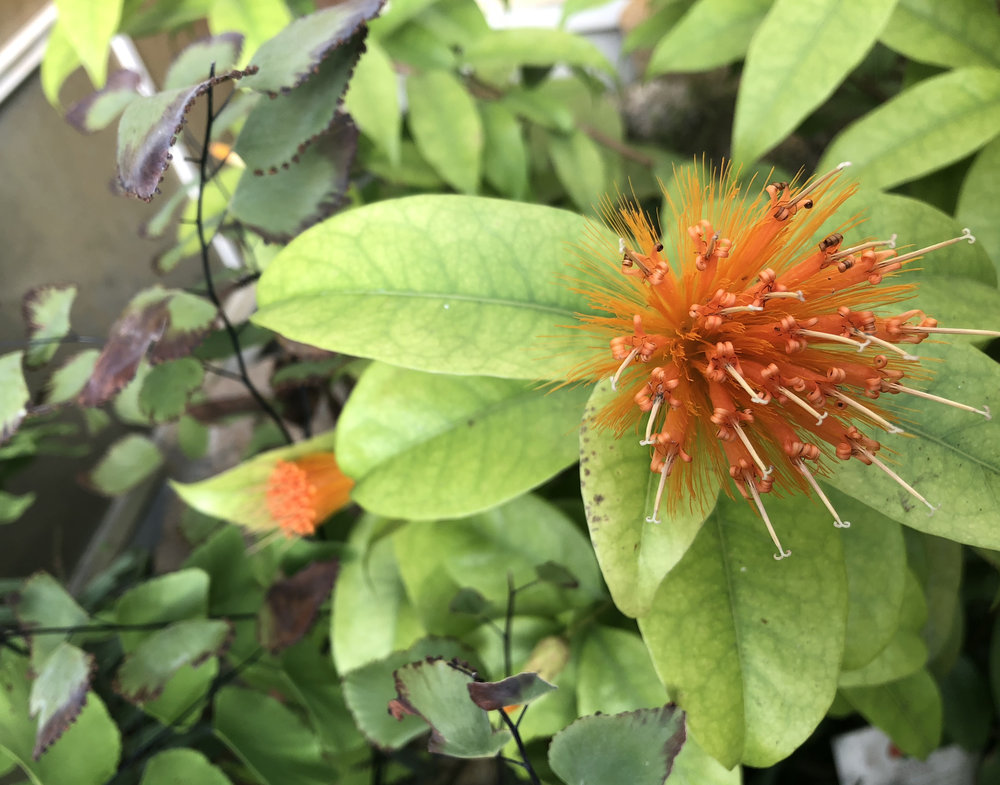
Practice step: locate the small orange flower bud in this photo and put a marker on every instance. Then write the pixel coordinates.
(304, 492)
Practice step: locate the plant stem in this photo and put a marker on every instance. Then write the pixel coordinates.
(520, 748)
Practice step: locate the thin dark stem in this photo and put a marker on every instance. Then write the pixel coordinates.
(209, 283)
(520, 748)
(220, 371)
(508, 624)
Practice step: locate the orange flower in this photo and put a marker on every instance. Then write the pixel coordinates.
(747, 352)
(303, 492)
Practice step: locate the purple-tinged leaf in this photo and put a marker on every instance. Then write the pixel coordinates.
(291, 57)
(127, 462)
(99, 109)
(68, 379)
(152, 663)
(14, 394)
(437, 691)
(278, 131)
(59, 692)
(194, 63)
(292, 604)
(46, 313)
(515, 690)
(280, 206)
(149, 128)
(43, 602)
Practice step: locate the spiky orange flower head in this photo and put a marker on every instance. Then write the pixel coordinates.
(750, 353)
(304, 492)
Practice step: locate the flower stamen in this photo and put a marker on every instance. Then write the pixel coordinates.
(889, 244)
(875, 416)
(965, 235)
(657, 401)
(782, 553)
(839, 522)
(903, 483)
(829, 337)
(796, 295)
(621, 368)
(949, 331)
(755, 397)
(869, 338)
(803, 405)
(899, 388)
(664, 471)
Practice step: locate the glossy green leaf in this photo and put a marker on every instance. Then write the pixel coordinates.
(618, 491)
(373, 100)
(147, 669)
(288, 59)
(710, 34)
(478, 293)
(616, 674)
(580, 168)
(446, 127)
(927, 126)
(425, 445)
(505, 156)
(46, 310)
(748, 646)
(875, 558)
(953, 461)
(194, 62)
(637, 747)
(14, 394)
(369, 689)
(128, 462)
(68, 380)
(980, 192)
(956, 34)
(13, 506)
(58, 693)
(86, 754)
(437, 691)
(59, 62)
(44, 602)
(89, 29)
(518, 47)
(799, 55)
(168, 387)
(165, 599)
(909, 710)
(904, 655)
(269, 738)
(179, 766)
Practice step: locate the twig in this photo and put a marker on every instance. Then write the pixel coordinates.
(520, 748)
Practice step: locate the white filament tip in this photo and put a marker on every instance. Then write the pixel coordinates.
(614, 382)
(621, 245)
(782, 555)
(987, 414)
(653, 519)
(968, 235)
(822, 417)
(843, 165)
(842, 524)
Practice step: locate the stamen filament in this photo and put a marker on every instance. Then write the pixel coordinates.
(818, 182)
(805, 406)
(878, 418)
(890, 243)
(782, 553)
(903, 484)
(985, 411)
(828, 337)
(965, 235)
(742, 309)
(664, 471)
(622, 367)
(949, 331)
(796, 295)
(753, 453)
(652, 417)
(755, 397)
(886, 345)
(837, 520)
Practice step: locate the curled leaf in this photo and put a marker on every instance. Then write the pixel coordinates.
(515, 690)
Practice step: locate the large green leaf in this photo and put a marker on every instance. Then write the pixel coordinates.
(448, 284)
(980, 192)
(177, 766)
(618, 491)
(89, 28)
(579, 167)
(59, 62)
(927, 126)
(748, 646)
(127, 463)
(615, 673)
(954, 34)
(798, 56)
(446, 127)
(425, 445)
(710, 34)
(373, 100)
(517, 47)
(909, 710)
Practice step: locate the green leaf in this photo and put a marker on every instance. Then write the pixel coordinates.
(269, 738)
(59, 692)
(968, 710)
(904, 655)
(98, 110)
(59, 62)
(937, 564)
(145, 671)
(13, 506)
(980, 191)
(616, 673)
(580, 168)
(257, 20)
(657, 25)
(86, 754)
(128, 462)
(232, 587)
(710, 34)
(68, 380)
(192, 438)
(505, 156)
(289, 58)
(927, 126)
(446, 127)
(961, 33)
(194, 63)
(369, 689)
(953, 462)
(46, 310)
(749, 647)
(533, 46)
(437, 691)
(90, 28)
(280, 206)
(799, 55)
(278, 131)
(480, 279)
(178, 766)
(909, 710)
(425, 446)
(637, 747)
(165, 599)
(875, 558)
(168, 388)
(13, 394)
(618, 491)
(43, 602)
(373, 100)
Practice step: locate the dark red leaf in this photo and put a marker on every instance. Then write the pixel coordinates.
(292, 604)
